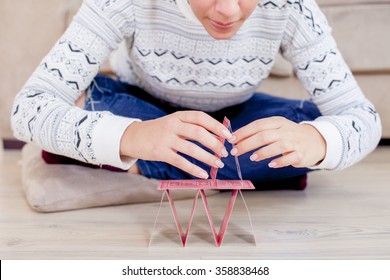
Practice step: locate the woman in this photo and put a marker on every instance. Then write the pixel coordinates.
(182, 66)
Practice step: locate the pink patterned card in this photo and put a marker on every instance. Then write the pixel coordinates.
(200, 185)
(209, 184)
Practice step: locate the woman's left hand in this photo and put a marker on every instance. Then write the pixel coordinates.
(299, 145)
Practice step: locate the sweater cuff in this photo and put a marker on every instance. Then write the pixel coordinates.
(107, 136)
(334, 144)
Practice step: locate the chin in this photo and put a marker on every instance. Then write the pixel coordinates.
(218, 34)
(221, 35)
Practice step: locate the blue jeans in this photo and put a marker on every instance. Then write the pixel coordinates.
(130, 101)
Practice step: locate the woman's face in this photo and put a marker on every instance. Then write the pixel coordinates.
(222, 18)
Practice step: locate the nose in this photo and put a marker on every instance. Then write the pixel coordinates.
(227, 8)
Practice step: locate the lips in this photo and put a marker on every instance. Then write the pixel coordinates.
(222, 26)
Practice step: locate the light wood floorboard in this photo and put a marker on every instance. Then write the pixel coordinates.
(341, 215)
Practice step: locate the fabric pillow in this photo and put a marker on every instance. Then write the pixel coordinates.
(282, 67)
(60, 187)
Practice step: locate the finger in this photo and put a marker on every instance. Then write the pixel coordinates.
(204, 137)
(269, 151)
(204, 120)
(255, 127)
(293, 159)
(193, 150)
(255, 141)
(185, 165)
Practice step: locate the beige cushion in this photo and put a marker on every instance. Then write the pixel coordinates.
(282, 68)
(349, 2)
(361, 32)
(355, 38)
(57, 187)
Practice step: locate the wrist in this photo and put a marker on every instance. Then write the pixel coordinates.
(319, 144)
(128, 143)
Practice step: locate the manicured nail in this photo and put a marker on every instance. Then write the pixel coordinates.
(272, 164)
(232, 139)
(203, 174)
(225, 153)
(226, 133)
(219, 163)
(253, 157)
(234, 151)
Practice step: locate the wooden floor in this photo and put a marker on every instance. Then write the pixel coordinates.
(341, 215)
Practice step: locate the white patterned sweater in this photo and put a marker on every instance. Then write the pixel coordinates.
(160, 46)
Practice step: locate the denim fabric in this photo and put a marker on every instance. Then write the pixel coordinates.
(106, 94)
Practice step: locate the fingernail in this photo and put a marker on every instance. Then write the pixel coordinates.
(225, 153)
(232, 139)
(253, 157)
(219, 163)
(272, 164)
(234, 151)
(203, 174)
(226, 133)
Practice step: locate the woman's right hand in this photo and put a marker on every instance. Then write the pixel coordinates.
(163, 138)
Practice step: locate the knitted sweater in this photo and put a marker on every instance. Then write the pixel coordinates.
(161, 47)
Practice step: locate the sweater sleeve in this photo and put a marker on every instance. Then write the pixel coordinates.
(44, 110)
(349, 123)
